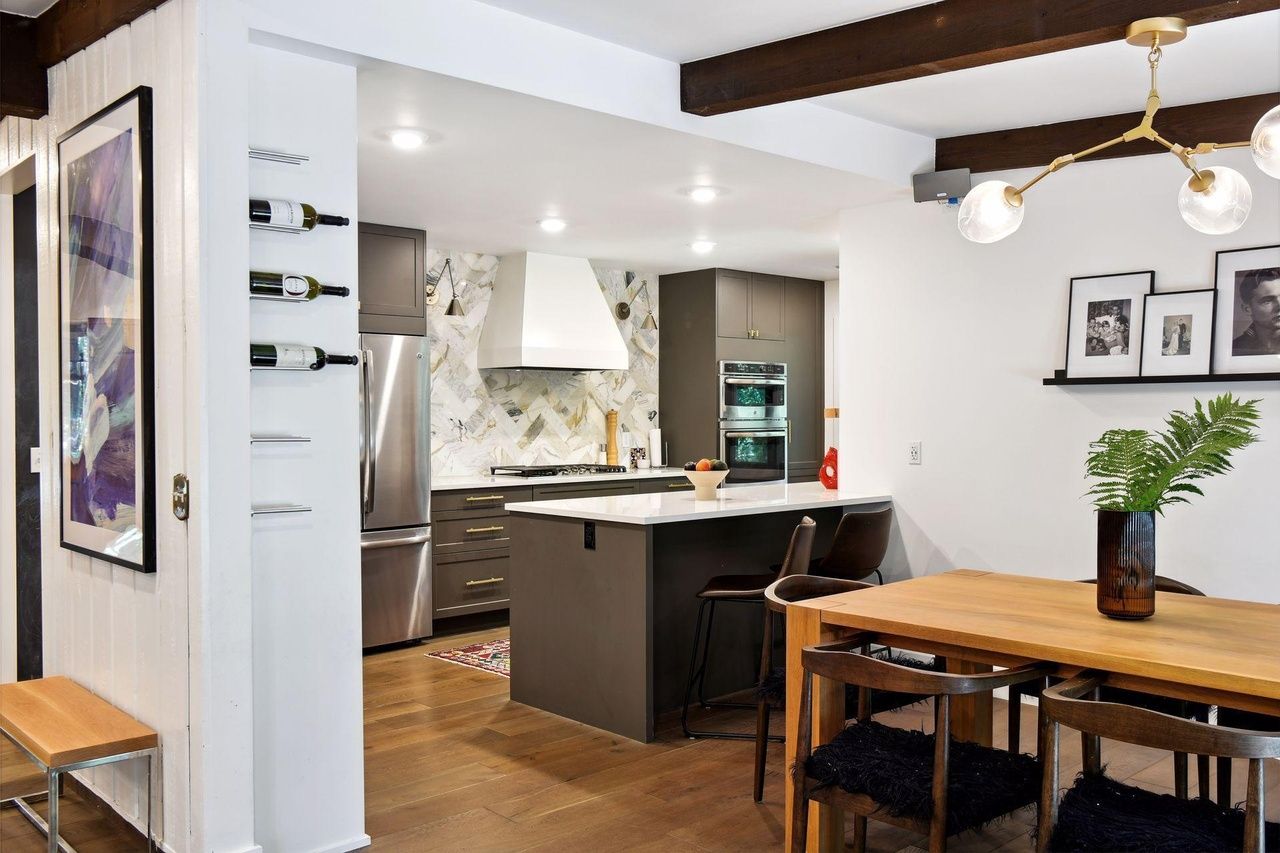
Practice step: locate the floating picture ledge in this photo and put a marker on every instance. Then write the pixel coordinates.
(1060, 378)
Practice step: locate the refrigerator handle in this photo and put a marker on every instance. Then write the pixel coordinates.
(370, 467)
(416, 539)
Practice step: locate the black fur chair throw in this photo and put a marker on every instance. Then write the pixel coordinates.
(774, 688)
(895, 768)
(1098, 813)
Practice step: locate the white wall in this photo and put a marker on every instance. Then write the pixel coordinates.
(120, 633)
(946, 342)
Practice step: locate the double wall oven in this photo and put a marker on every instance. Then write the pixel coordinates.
(753, 421)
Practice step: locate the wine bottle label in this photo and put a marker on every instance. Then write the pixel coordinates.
(295, 356)
(295, 285)
(287, 213)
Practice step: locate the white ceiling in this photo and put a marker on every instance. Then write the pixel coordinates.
(1226, 59)
(683, 30)
(30, 8)
(498, 161)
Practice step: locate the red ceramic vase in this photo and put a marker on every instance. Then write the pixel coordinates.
(827, 473)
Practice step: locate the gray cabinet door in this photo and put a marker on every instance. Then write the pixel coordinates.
(733, 299)
(392, 270)
(768, 307)
(804, 378)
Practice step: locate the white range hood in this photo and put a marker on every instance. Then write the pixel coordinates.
(547, 312)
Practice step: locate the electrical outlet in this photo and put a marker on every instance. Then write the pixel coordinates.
(589, 535)
(913, 453)
(35, 460)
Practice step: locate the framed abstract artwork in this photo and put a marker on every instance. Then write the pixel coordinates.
(1178, 335)
(1248, 324)
(1104, 323)
(105, 321)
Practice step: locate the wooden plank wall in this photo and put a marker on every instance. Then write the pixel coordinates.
(120, 633)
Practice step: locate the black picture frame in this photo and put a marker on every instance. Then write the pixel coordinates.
(101, 263)
(1226, 361)
(1213, 324)
(1132, 366)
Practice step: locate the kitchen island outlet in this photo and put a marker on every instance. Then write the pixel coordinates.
(603, 609)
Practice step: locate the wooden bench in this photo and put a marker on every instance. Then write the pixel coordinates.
(62, 727)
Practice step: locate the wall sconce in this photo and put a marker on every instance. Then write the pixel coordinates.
(454, 309)
(623, 309)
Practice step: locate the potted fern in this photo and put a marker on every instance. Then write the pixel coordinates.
(1138, 474)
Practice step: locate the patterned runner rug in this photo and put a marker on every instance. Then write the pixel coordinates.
(493, 656)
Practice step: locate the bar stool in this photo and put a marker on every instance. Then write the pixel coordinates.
(858, 548)
(741, 589)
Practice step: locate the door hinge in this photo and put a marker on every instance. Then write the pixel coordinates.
(181, 497)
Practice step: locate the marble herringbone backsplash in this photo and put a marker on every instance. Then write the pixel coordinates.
(530, 417)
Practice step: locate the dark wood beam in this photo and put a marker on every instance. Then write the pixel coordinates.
(24, 88)
(72, 25)
(945, 36)
(1231, 120)
(32, 45)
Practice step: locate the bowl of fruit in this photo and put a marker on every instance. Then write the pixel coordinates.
(706, 476)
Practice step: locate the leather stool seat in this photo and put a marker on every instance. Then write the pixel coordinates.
(737, 586)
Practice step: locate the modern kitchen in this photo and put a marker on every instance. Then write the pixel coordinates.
(682, 426)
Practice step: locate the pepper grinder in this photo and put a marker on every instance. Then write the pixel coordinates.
(611, 437)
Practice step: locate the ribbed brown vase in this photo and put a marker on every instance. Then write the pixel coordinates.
(1126, 564)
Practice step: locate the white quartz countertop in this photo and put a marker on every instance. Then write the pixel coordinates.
(671, 507)
(485, 481)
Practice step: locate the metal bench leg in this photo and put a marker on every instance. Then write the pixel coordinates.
(54, 791)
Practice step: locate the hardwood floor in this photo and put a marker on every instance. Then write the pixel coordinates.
(452, 764)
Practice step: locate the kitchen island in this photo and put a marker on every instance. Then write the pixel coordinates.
(604, 605)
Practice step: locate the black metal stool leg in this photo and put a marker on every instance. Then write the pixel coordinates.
(706, 654)
(693, 662)
(697, 672)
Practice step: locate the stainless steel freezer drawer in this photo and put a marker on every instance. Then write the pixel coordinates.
(395, 574)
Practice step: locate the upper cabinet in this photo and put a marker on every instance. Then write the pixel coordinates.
(750, 306)
(392, 279)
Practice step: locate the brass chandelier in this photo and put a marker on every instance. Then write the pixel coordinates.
(1212, 200)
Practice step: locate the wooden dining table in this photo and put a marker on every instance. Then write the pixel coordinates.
(1213, 650)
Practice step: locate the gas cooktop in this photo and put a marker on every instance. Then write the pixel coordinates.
(554, 470)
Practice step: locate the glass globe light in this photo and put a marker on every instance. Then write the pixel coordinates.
(987, 214)
(1220, 209)
(1265, 143)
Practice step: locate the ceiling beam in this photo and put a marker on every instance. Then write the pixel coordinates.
(32, 45)
(945, 36)
(1231, 120)
(24, 90)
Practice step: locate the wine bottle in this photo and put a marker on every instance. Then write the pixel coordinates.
(287, 285)
(294, 357)
(290, 214)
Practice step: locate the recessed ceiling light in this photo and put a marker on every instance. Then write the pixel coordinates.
(702, 246)
(703, 195)
(407, 138)
(552, 224)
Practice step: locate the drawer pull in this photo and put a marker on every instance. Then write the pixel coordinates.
(479, 498)
(679, 485)
(497, 528)
(485, 582)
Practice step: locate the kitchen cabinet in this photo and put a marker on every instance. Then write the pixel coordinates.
(582, 490)
(750, 306)
(392, 283)
(758, 317)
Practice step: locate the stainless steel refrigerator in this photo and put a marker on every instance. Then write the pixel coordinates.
(395, 488)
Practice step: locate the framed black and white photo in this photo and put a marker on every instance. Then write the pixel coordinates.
(106, 336)
(1248, 325)
(1177, 338)
(1104, 324)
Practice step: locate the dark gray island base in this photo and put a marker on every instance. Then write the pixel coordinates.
(603, 635)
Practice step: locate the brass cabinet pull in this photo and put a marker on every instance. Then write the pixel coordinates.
(497, 528)
(485, 582)
(475, 498)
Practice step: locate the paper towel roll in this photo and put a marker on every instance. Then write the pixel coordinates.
(655, 448)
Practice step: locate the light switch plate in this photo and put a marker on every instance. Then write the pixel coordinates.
(914, 451)
(35, 460)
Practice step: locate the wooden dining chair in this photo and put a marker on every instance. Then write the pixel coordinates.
(1237, 719)
(927, 783)
(1098, 813)
(1176, 707)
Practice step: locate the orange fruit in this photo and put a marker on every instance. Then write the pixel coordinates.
(704, 464)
